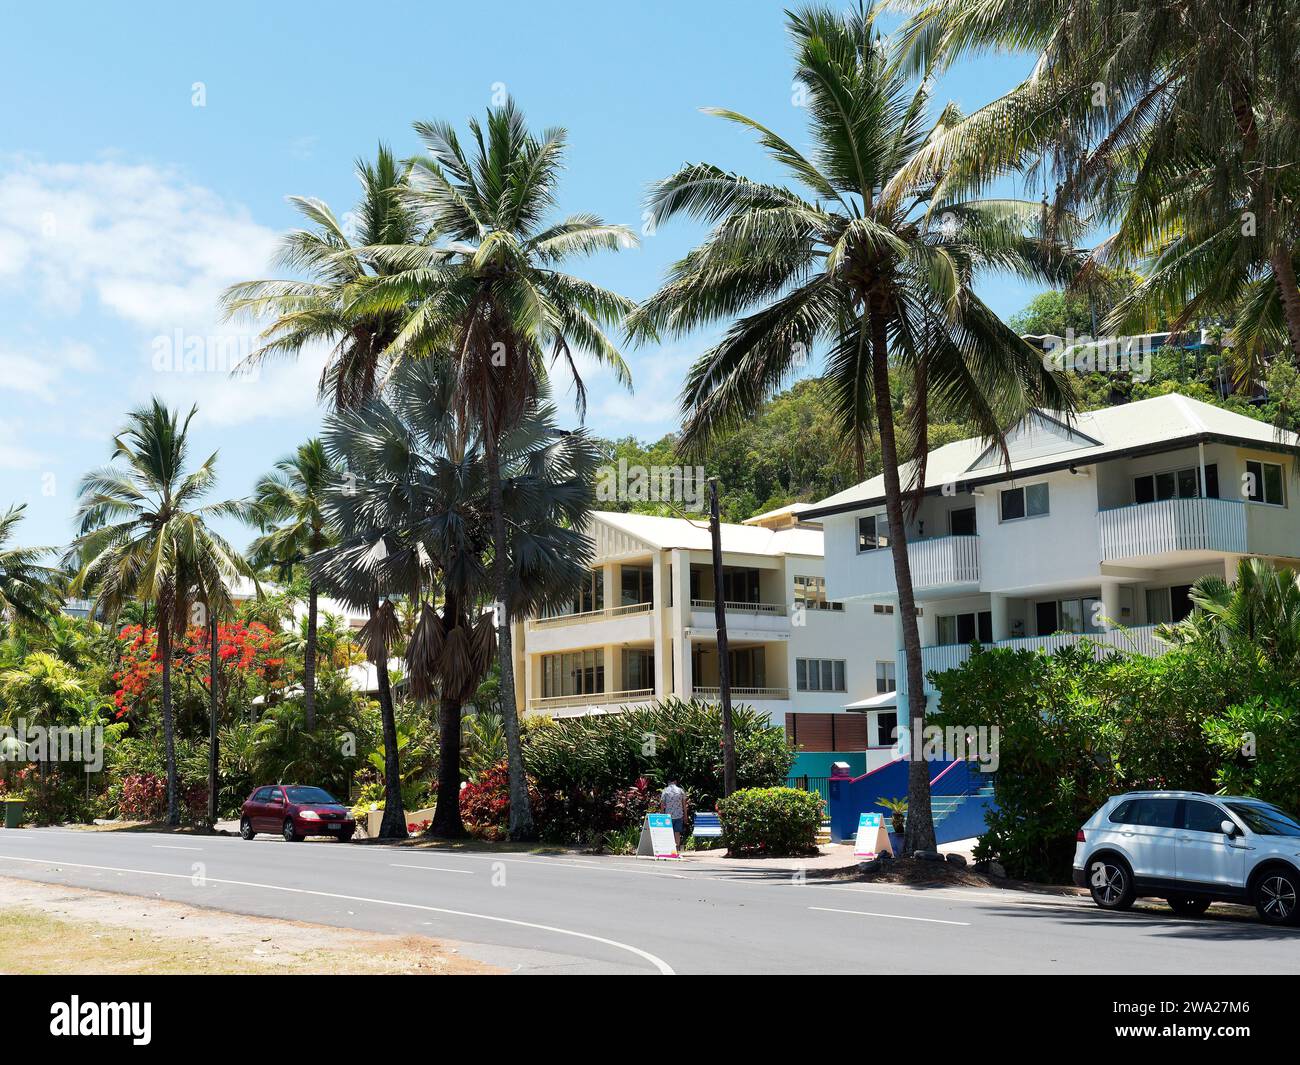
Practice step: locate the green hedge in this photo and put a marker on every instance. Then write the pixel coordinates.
(670, 740)
(770, 822)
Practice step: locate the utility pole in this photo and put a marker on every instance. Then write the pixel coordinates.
(724, 661)
(214, 685)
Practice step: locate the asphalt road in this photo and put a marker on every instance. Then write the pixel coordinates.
(568, 914)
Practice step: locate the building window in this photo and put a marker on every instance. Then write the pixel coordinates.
(886, 680)
(576, 673)
(638, 669)
(1167, 605)
(965, 628)
(590, 597)
(886, 729)
(819, 674)
(961, 522)
(1264, 483)
(1069, 615)
(883, 608)
(871, 532)
(1028, 501)
(1176, 484)
(636, 585)
(811, 592)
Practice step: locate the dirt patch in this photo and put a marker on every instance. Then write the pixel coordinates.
(52, 928)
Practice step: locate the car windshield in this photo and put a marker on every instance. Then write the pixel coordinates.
(1265, 820)
(310, 795)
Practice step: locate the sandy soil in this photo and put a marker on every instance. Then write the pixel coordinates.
(51, 928)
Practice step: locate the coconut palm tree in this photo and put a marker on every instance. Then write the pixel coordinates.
(333, 256)
(144, 535)
(875, 268)
(27, 589)
(420, 484)
(1174, 121)
(287, 505)
(484, 288)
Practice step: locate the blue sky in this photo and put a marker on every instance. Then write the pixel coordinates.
(125, 209)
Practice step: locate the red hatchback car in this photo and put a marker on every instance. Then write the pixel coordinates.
(295, 811)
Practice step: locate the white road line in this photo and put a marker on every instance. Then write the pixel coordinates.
(167, 847)
(432, 868)
(894, 916)
(973, 898)
(662, 966)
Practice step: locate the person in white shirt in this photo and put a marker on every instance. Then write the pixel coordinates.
(674, 803)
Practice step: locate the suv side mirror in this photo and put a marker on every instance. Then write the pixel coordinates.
(1229, 827)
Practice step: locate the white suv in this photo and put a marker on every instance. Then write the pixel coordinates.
(1191, 849)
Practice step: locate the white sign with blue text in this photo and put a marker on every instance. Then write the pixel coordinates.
(872, 838)
(657, 838)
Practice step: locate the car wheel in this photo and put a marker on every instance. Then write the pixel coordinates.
(290, 836)
(1111, 883)
(1276, 897)
(246, 828)
(1188, 905)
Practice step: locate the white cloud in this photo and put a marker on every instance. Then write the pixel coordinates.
(147, 252)
(657, 378)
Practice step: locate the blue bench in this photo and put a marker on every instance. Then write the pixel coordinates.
(707, 826)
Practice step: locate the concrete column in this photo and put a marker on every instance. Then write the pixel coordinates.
(1001, 624)
(662, 619)
(613, 594)
(679, 619)
(613, 667)
(1110, 608)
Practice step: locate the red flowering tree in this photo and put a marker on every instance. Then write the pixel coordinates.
(248, 654)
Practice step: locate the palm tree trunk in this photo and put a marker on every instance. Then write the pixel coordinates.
(214, 686)
(309, 660)
(521, 814)
(169, 727)
(393, 825)
(446, 812)
(920, 821)
(1289, 291)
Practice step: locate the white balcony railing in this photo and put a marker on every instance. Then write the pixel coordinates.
(738, 693)
(734, 607)
(936, 562)
(560, 702)
(1173, 525)
(1140, 639)
(590, 615)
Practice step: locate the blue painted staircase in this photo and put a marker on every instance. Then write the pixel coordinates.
(959, 797)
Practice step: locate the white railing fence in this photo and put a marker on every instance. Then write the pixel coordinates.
(1173, 525)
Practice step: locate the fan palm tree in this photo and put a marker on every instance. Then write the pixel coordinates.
(1175, 121)
(1256, 619)
(484, 288)
(287, 504)
(27, 589)
(144, 535)
(333, 258)
(877, 268)
(420, 485)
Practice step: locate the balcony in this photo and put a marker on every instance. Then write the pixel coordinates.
(591, 702)
(590, 615)
(1140, 639)
(738, 694)
(941, 565)
(1147, 530)
(731, 607)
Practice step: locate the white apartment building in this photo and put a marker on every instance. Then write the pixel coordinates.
(1097, 528)
(644, 628)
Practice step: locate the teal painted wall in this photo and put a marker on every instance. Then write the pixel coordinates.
(818, 763)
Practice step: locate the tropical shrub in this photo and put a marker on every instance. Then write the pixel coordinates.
(1074, 730)
(672, 739)
(770, 822)
(143, 798)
